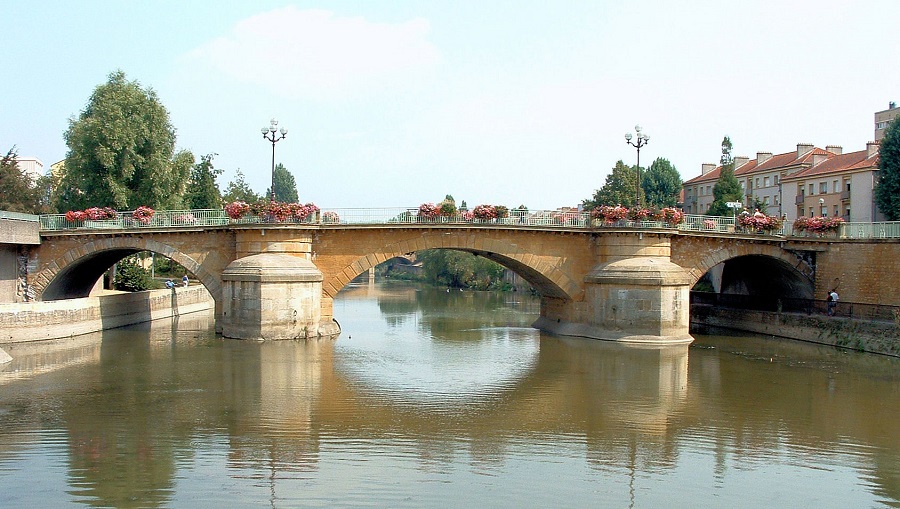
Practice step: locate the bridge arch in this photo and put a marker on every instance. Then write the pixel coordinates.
(756, 269)
(545, 276)
(75, 273)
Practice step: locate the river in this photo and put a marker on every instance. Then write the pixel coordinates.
(442, 399)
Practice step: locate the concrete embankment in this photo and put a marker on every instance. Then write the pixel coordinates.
(862, 335)
(35, 321)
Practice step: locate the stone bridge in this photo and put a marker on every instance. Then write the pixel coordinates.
(278, 281)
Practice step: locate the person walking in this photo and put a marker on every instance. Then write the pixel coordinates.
(184, 280)
(832, 301)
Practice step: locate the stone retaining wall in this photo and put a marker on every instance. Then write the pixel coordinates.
(866, 336)
(35, 321)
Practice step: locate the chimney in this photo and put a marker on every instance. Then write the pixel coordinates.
(835, 149)
(762, 157)
(706, 168)
(871, 149)
(818, 158)
(740, 161)
(803, 149)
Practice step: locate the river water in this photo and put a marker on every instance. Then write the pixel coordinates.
(436, 399)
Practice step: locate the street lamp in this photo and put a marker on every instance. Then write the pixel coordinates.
(642, 139)
(269, 134)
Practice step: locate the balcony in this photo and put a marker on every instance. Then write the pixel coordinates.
(845, 195)
(799, 200)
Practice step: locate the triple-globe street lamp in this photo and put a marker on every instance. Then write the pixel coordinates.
(269, 133)
(642, 139)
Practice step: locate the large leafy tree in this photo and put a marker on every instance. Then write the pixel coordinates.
(285, 185)
(18, 193)
(202, 189)
(661, 184)
(122, 151)
(727, 188)
(239, 190)
(887, 191)
(619, 188)
(445, 267)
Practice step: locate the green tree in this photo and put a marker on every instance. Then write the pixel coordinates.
(727, 188)
(285, 185)
(122, 151)
(887, 190)
(456, 269)
(131, 276)
(619, 189)
(18, 193)
(661, 184)
(239, 190)
(202, 189)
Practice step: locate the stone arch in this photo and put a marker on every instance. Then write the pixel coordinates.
(547, 278)
(731, 251)
(104, 252)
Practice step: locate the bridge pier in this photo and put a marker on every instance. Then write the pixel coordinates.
(636, 294)
(274, 296)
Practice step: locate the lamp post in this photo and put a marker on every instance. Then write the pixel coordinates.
(642, 139)
(269, 134)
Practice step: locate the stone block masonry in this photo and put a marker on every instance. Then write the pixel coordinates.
(34, 321)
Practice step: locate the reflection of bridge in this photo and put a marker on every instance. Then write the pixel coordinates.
(273, 280)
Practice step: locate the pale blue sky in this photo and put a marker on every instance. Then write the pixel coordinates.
(392, 104)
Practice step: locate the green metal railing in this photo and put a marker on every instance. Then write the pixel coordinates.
(409, 215)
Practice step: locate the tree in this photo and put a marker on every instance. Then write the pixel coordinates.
(18, 193)
(661, 184)
(727, 188)
(456, 269)
(122, 151)
(131, 276)
(619, 188)
(285, 185)
(239, 190)
(887, 190)
(202, 189)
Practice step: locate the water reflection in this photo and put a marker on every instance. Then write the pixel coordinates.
(417, 399)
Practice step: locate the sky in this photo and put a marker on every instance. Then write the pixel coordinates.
(397, 103)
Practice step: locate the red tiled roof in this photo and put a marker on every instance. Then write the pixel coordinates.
(785, 160)
(838, 163)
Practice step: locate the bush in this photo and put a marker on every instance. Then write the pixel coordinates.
(130, 276)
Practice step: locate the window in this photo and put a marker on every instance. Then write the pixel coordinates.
(776, 200)
(776, 180)
(757, 182)
(811, 212)
(835, 188)
(823, 187)
(766, 182)
(766, 200)
(812, 189)
(835, 211)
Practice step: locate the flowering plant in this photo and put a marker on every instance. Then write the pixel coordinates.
(502, 211)
(609, 214)
(75, 215)
(303, 212)
(237, 209)
(330, 217)
(670, 215)
(281, 212)
(429, 211)
(466, 215)
(636, 214)
(818, 224)
(759, 221)
(143, 214)
(709, 224)
(99, 214)
(484, 212)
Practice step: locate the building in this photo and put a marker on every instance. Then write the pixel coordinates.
(884, 118)
(842, 185)
(808, 181)
(31, 166)
(759, 178)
